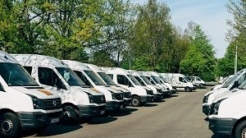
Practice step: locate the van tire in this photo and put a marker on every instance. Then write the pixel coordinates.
(241, 129)
(136, 101)
(69, 115)
(10, 125)
(188, 89)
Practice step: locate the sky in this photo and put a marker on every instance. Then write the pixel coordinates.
(211, 15)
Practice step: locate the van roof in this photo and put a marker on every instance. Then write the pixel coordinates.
(94, 68)
(38, 60)
(76, 65)
(7, 58)
(115, 70)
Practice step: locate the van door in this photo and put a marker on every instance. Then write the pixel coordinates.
(124, 82)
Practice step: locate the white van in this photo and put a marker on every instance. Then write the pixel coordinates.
(155, 80)
(197, 81)
(114, 98)
(140, 95)
(24, 104)
(225, 80)
(178, 81)
(101, 74)
(156, 90)
(234, 82)
(162, 80)
(78, 100)
(228, 113)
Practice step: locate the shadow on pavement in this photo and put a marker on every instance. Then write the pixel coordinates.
(219, 136)
(123, 112)
(150, 105)
(54, 129)
(101, 120)
(160, 101)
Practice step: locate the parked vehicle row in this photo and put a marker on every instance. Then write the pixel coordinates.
(53, 90)
(38, 90)
(225, 106)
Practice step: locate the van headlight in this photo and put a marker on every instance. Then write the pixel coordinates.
(205, 98)
(112, 94)
(35, 101)
(215, 107)
(90, 98)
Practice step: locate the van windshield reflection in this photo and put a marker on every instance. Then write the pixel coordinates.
(16, 75)
(70, 77)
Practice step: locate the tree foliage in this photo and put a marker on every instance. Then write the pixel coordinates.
(199, 60)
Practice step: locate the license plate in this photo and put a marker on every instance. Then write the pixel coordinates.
(102, 112)
(55, 120)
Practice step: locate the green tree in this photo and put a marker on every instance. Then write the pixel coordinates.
(199, 59)
(150, 34)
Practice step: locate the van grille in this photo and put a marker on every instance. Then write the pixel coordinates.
(51, 104)
(150, 92)
(99, 99)
(119, 96)
(127, 95)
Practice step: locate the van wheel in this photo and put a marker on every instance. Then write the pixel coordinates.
(136, 101)
(188, 89)
(69, 115)
(10, 125)
(241, 130)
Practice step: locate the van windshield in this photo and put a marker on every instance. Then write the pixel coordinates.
(242, 86)
(134, 80)
(106, 78)
(94, 77)
(146, 80)
(16, 75)
(70, 77)
(163, 79)
(156, 79)
(226, 84)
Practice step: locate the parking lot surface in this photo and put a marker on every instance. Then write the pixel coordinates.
(177, 117)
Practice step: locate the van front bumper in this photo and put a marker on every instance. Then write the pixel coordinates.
(32, 120)
(127, 101)
(147, 98)
(114, 105)
(157, 96)
(222, 126)
(92, 110)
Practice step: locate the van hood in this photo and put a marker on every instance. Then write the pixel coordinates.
(120, 88)
(231, 94)
(38, 92)
(107, 89)
(221, 90)
(91, 91)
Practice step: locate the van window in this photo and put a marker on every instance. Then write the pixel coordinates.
(111, 76)
(70, 77)
(106, 78)
(146, 80)
(28, 69)
(94, 77)
(181, 79)
(123, 80)
(16, 75)
(241, 79)
(140, 80)
(83, 78)
(48, 77)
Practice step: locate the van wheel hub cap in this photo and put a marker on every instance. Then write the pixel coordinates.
(7, 125)
(244, 133)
